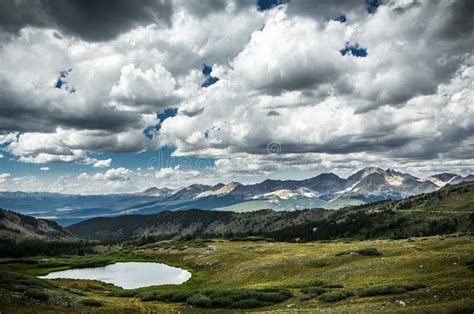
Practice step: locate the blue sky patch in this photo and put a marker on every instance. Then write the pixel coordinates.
(372, 5)
(148, 132)
(206, 70)
(209, 80)
(354, 50)
(168, 113)
(61, 82)
(341, 18)
(162, 116)
(263, 5)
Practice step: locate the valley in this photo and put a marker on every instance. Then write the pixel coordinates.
(237, 156)
(326, 190)
(445, 211)
(410, 256)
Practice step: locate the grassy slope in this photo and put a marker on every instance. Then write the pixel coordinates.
(437, 262)
(457, 198)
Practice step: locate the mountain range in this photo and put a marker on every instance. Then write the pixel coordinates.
(368, 183)
(326, 190)
(447, 210)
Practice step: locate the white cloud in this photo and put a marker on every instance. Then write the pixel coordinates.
(117, 174)
(408, 102)
(8, 138)
(119, 84)
(386, 105)
(105, 163)
(152, 88)
(72, 146)
(4, 177)
(114, 174)
(276, 59)
(83, 176)
(113, 180)
(25, 183)
(175, 173)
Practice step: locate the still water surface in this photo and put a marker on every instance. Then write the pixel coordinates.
(130, 275)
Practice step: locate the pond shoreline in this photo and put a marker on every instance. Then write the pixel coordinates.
(126, 275)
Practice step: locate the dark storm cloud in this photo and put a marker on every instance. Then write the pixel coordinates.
(90, 20)
(326, 9)
(15, 15)
(273, 113)
(204, 7)
(459, 20)
(400, 9)
(349, 144)
(28, 113)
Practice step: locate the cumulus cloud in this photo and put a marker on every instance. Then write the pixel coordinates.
(72, 146)
(265, 63)
(105, 163)
(175, 173)
(105, 19)
(114, 174)
(384, 104)
(113, 180)
(119, 85)
(150, 88)
(4, 177)
(27, 183)
(44, 148)
(8, 138)
(282, 78)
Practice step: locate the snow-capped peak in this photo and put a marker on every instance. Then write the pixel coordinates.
(370, 170)
(223, 190)
(442, 179)
(282, 194)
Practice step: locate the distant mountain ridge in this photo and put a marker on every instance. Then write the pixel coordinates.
(326, 190)
(448, 210)
(370, 181)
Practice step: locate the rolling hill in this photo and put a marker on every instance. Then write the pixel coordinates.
(18, 227)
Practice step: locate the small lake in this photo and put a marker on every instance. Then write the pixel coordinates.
(130, 275)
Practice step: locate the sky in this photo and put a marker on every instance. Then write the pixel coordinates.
(118, 96)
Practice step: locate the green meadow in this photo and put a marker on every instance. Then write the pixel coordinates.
(417, 275)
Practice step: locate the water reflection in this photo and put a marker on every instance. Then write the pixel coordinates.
(130, 275)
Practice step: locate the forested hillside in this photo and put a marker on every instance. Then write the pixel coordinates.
(17, 226)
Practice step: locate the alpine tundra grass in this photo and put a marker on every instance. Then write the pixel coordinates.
(416, 275)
